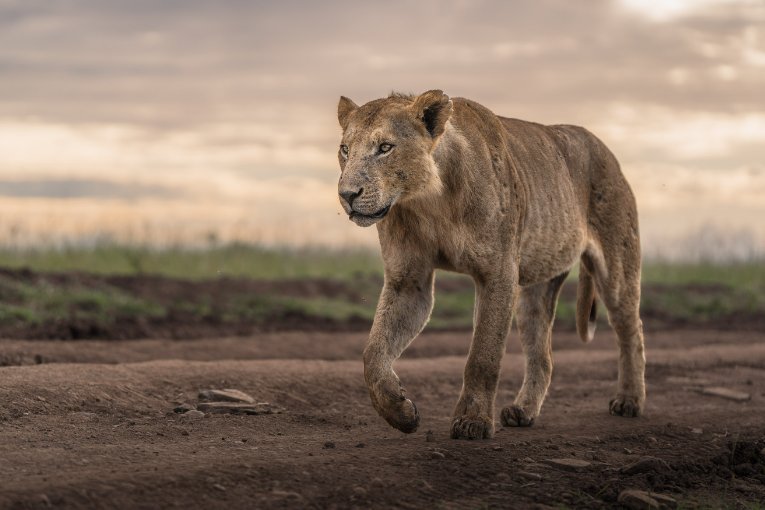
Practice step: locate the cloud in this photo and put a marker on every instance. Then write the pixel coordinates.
(223, 100)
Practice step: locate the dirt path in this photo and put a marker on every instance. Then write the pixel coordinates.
(99, 435)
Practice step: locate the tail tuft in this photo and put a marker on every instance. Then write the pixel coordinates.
(586, 306)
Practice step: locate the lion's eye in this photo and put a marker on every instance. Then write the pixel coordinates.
(344, 150)
(385, 147)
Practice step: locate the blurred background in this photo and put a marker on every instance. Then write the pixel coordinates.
(197, 139)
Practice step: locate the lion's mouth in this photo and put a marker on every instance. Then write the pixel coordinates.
(374, 216)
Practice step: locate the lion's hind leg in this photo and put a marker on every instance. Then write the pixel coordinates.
(534, 315)
(618, 285)
(620, 291)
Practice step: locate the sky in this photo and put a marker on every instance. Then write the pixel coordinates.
(190, 121)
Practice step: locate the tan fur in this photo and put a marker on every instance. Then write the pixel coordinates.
(514, 205)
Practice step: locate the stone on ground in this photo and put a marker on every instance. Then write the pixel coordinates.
(239, 408)
(641, 500)
(225, 395)
(569, 464)
(719, 391)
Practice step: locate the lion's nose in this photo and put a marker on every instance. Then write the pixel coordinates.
(350, 196)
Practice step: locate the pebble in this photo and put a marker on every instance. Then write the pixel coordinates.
(645, 465)
(664, 500)
(183, 408)
(359, 491)
(503, 476)
(192, 415)
(528, 475)
(377, 482)
(226, 395)
(329, 445)
(219, 487)
(569, 464)
(239, 408)
(640, 500)
(361, 445)
(497, 448)
(429, 436)
(695, 430)
(437, 455)
(718, 391)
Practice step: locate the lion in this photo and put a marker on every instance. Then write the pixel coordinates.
(513, 204)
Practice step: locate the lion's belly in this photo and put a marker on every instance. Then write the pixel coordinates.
(552, 242)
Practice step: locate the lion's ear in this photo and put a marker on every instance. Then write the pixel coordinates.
(433, 108)
(344, 108)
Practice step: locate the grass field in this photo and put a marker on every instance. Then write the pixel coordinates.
(84, 285)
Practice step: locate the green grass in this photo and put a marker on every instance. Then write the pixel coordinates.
(232, 260)
(737, 275)
(674, 292)
(37, 303)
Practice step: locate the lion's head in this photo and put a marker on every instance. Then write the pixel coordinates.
(386, 153)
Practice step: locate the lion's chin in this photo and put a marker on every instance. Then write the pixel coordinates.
(367, 220)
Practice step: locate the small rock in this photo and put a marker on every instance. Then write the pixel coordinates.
(227, 395)
(695, 430)
(83, 416)
(377, 482)
(717, 391)
(528, 475)
(651, 439)
(361, 445)
(569, 464)
(329, 445)
(645, 465)
(183, 408)
(503, 476)
(359, 491)
(497, 448)
(664, 500)
(637, 500)
(627, 451)
(192, 415)
(429, 436)
(437, 455)
(286, 494)
(239, 408)
(219, 487)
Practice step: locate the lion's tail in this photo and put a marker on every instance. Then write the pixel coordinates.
(586, 306)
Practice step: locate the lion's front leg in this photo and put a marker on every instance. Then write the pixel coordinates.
(474, 414)
(403, 310)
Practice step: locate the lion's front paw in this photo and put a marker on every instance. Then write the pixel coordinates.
(516, 416)
(403, 415)
(624, 405)
(472, 427)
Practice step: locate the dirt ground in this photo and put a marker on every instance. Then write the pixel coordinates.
(90, 424)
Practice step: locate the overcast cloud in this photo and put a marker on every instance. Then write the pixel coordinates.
(233, 102)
